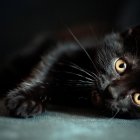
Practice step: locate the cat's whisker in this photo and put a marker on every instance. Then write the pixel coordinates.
(82, 84)
(92, 75)
(97, 77)
(82, 47)
(80, 81)
(118, 110)
(79, 85)
(79, 75)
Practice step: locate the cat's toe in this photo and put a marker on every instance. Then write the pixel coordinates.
(21, 106)
(12, 102)
(28, 109)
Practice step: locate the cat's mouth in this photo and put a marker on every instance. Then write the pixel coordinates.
(114, 94)
(117, 100)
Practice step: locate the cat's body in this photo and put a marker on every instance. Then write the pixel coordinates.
(105, 74)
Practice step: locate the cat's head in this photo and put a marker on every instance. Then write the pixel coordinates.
(119, 60)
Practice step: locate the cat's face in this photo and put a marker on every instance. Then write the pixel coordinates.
(119, 68)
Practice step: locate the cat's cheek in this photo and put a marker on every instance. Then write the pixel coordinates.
(135, 111)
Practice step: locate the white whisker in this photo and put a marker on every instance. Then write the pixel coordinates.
(82, 70)
(79, 43)
(115, 114)
(80, 81)
(79, 75)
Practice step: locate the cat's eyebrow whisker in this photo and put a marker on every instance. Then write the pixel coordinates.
(79, 75)
(82, 47)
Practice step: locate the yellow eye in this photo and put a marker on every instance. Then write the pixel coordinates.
(120, 66)
(136, 98)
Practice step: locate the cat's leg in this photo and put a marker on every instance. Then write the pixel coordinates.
(30, 97)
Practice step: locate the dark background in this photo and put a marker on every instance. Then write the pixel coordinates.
(22, 20)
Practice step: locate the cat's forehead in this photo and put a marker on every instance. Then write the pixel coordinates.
(131, 40)
(129, 43)
(113, 40)
(113, 44)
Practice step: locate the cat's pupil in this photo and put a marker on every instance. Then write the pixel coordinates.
(122, 65)
(139, 97)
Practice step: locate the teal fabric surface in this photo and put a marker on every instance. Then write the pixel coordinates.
(68, 125)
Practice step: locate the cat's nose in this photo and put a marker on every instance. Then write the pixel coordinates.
(112, 92)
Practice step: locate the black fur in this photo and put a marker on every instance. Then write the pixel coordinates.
(78, 72)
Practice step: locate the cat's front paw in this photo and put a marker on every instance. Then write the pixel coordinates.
(20, 105)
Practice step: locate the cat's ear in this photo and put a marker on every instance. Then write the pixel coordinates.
(131, 37)
(133, 32)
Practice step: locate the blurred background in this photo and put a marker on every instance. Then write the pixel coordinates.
(22, 20)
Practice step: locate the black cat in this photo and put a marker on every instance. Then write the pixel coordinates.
(105, 73)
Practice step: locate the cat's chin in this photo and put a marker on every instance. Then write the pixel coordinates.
(115, 110)
(127, 115)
